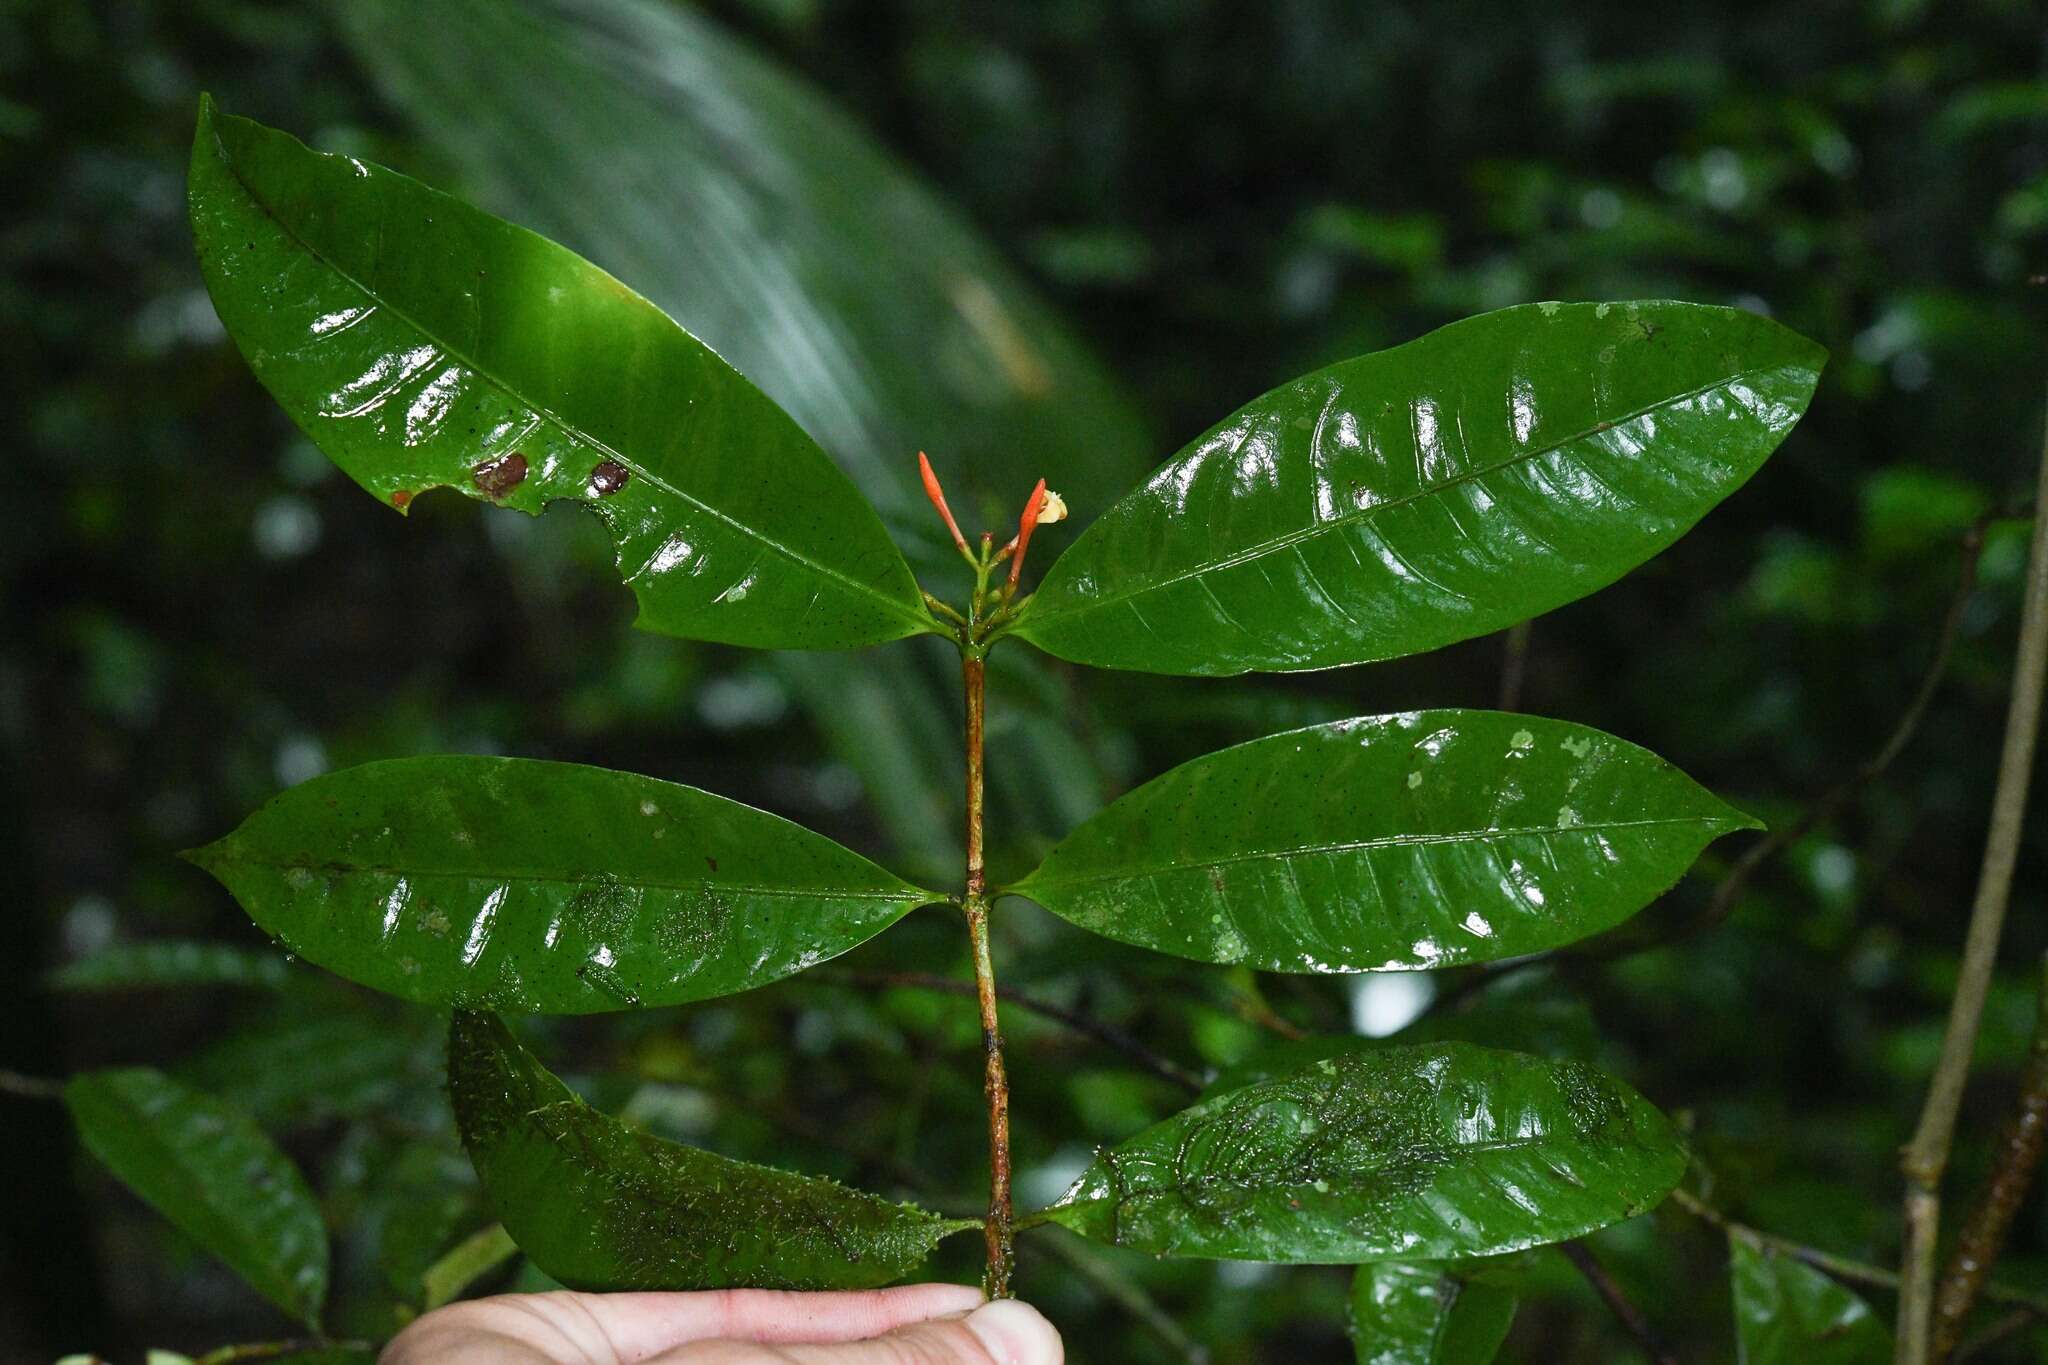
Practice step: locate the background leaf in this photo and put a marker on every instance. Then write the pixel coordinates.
(159, 963)
(1492, 470)
(1434, 1152)
(1423, 839)
(1403, 1313)
(795, 244)
(423, 344)
(1788, 1313)
(211, 1171)
(549, 887)
(599, 1206)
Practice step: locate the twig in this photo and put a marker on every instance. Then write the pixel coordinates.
(1841, 1267)
(1729, 892)
(1001, 1236)
(1514, 666)
(1992, 1335)
(1087, 1025)
(1618, 1302)
(1125, 1292)
(30, 1087)
(1984, 1232)
(266, 1350)
(1926, 1156)
(1831, 802)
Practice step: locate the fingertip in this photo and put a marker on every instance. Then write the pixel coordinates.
(935, 1300)
(1015, 1333)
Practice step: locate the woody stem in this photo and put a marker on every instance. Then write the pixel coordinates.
(999, 1226)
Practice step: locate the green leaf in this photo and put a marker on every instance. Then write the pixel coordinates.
(599, 1206)
(171, 962)
(775, 228)
(1404, 1313)
(1437, 1152)
(422, 343)
(211, 1171)
(550, 887)
(1492, 470)
(1788, 1313)
(1423, 839)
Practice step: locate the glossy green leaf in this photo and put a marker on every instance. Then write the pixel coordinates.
(1402, 1313)
(553, 887)
(772, 226)
(1423, 839)
(171, 962)
(1788, 1313)
(1492, 470)
(422, 344)
(600, 1206)
(1436, 1152)
(211, 1171)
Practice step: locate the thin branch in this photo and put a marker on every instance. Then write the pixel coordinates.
(1618, 1302)
(1842, 1268)
(1832, 801)
(2018, 1157)
(2012, 1322)
(1514, 666)
(30, 1087)
(267, 1350)
(1087, 1025)
(1126, 1293)
(1926, 1156)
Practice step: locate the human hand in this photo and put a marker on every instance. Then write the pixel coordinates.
(920, 1324)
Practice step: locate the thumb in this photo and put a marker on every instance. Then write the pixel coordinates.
(1005, 1332)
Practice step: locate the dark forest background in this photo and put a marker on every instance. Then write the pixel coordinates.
(1214, 197)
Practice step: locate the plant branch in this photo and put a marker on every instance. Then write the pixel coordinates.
(30, 1087)
(1926, 1155)
(1860, 1273)
(267, 1350)
(1087, 1025)
(1001, 1235)
(1514, 666)
(1984, 1232)
(1618, 1302)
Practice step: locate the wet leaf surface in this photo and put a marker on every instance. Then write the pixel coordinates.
(599, 1206)
(800, 249)
(1422, 839)
(211, 1171)
(1788, 1313)
(551, 887)
(424, 344)
(1436, 1152)
(1492, 470)
(1408, 1314)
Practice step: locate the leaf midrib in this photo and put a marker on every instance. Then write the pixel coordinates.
(1261, 549)
(909, 893)
(572, 431)
(1390, 841)
(1464, 1154)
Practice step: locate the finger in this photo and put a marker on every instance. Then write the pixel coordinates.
(625, 1328)
(1001, 1333)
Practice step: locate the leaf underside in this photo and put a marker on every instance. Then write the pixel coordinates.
(1436, 1152)
(1788, 1313)
(424, 344)
(1416, 840)
(1487, 472)
(211, 1171)
(525, 885)
(1404, 1313)
(599, 1206)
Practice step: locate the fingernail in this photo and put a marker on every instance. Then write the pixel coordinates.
(1013, 1333)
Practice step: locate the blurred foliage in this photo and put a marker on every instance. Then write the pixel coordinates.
(200, 611)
